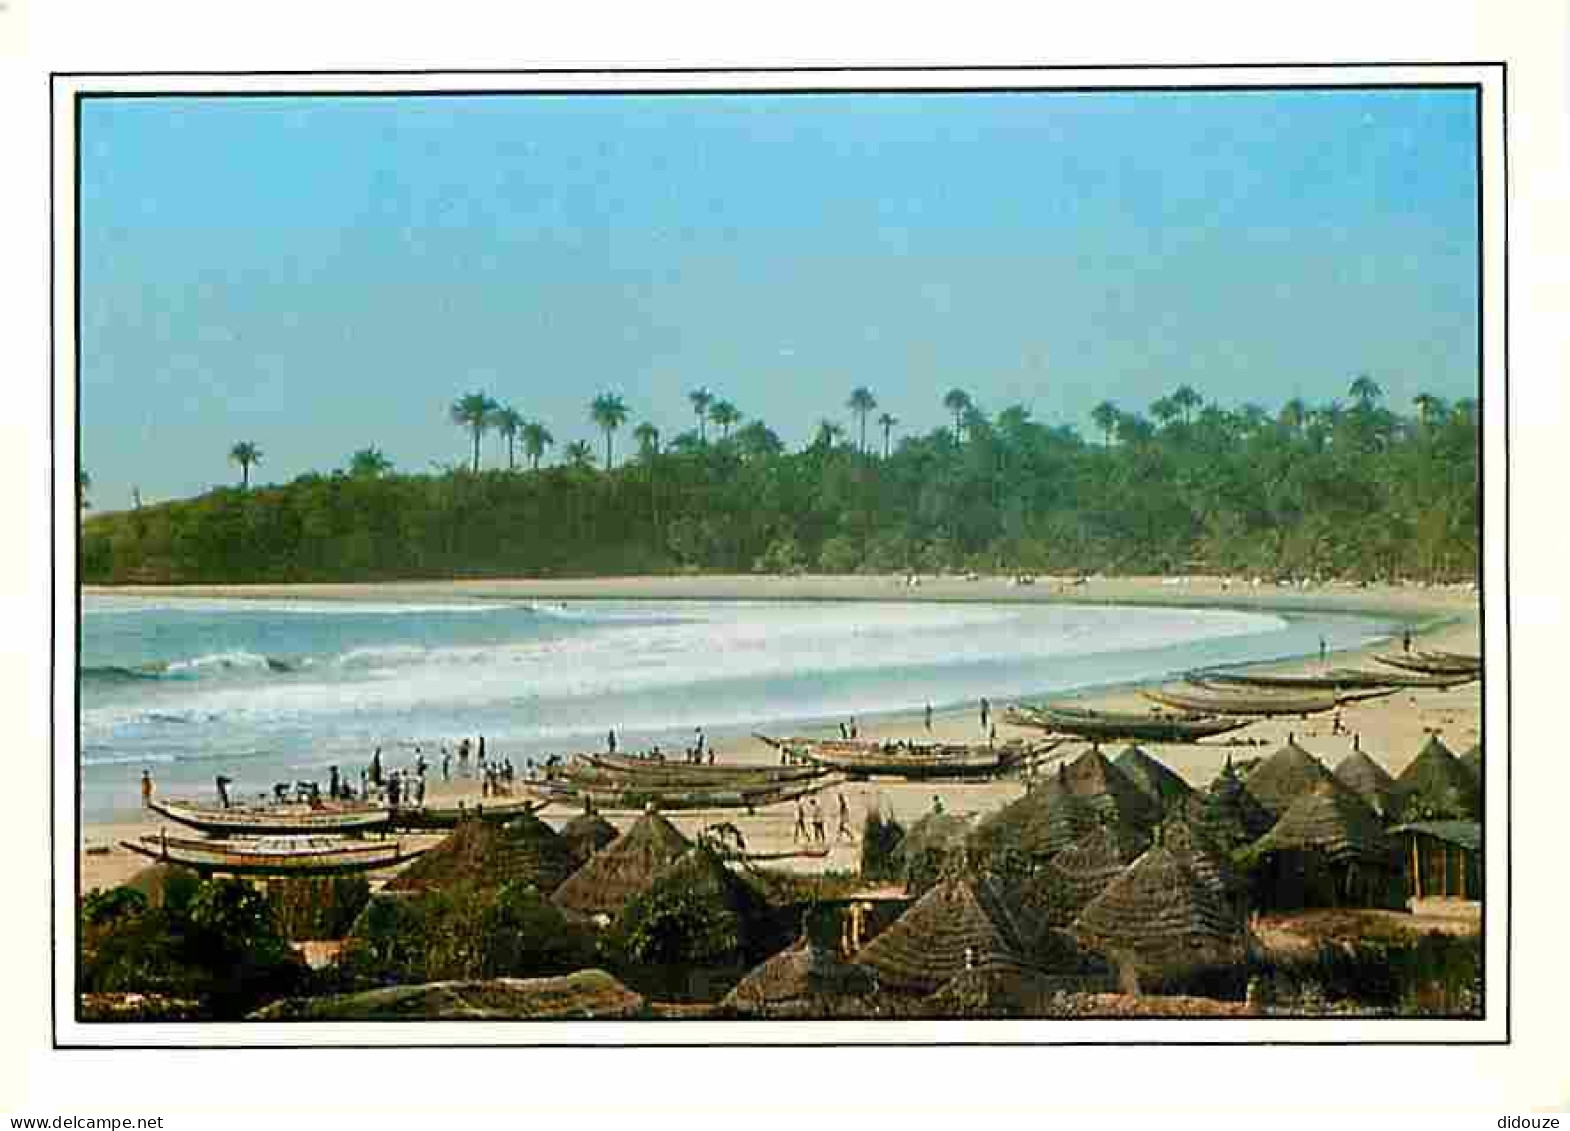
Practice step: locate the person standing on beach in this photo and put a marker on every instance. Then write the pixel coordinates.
(332, 782)
(986, 710)
(463, 758)
(446, 765)
(1406, 640)
(844, 822)
(1321, 649)
(482, 749)
(376, 767)
(818, 832)
(703, 743)
(147, 788)
(929, 717)
(223, 784)
(801, 824)
(610, 741)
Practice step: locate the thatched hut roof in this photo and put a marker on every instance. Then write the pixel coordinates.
(1158, 781)
(1369, 780)
(696, 912)
(1437, 787)
(1056, 892)
(1159, 916)
(524, 850)
(1284, 777)
(1110, 791)
(625, 868)
(929, 944)
(588, 995)
(1333, 820)
(586, 834)
(804, 980)
(155, 881)
(1227, 813)
(1210, 861)
(1042, 823)
(1473, 760)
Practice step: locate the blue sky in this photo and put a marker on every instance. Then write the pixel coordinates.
(321, 274)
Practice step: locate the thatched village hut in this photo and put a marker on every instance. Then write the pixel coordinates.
(1441, 859)
(1056, 892)
(626, 867)
(1368, 779)
(1435, 786)
(1159, 782)
(1328, 850)
(485, 855)
(695, 913)
(962, 923)
(1159, 920)
(1037, 826)
(1111, 792)
(806, 980)
(1227, 813)
(585, 835)
(1285, 776)
(1210, 861)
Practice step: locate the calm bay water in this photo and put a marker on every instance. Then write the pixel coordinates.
(273, 691)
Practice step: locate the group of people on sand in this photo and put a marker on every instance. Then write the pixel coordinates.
(818, 833)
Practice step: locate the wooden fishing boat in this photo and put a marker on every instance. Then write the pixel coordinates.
(1117, 725)
(448, 816)
(1347, 678)
(627, 768)
(1430, 663)
(1257, 701)
(859, 758)
(334, 817)
(312, 855)
(636, 797)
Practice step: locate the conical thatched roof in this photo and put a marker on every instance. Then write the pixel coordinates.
(1163, 786)
(1160, 917)
(625, 868)
(931, 847)
(1110, 791)
(586, 834)
(1284, 777)
(720, 915)
(1209, 861)
(926, 946)
(1227, 813)
(1333, 820)
(524, 850)
(1437, 787)
(1042, 823)
(1056, 892)
(1473, 760)
(805, 980)
(1368, 779)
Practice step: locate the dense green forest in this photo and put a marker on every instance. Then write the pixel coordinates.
(1351, 490)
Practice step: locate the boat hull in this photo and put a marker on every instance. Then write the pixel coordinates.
(260, 858)
(274, 821)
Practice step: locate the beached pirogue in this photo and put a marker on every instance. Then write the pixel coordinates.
(1436, 663)
(332, 817)
(273, 856)
(623, 784)
(906, 759)
(1218, 700)
(1340, 678)
(1113, 725)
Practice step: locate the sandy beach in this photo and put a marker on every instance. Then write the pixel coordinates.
(1392, 728)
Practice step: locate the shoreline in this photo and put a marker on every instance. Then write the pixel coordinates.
(1392, 728)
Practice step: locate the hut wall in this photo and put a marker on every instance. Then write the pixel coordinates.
(1446, 870)
(1293, 880)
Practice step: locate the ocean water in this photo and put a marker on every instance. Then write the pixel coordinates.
(267, 691)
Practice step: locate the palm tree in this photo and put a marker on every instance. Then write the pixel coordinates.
(1365, 391)
(245, 453)
(1187, 400)
(369, 463)
(508, 420)
(726, 415)
(862, 402)
(536, 438)
(579, 455)
(648, 438)
(1106, 416)
(887, 423)
(609, 412)
(758, 441)
(1165, 410)
(476, 413)
(829, 434)
(701, 399)
(956, 401)
(84, 484)
(1430, 409)
(1294, 414)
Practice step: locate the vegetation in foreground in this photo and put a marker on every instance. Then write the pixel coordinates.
(1357, 492)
